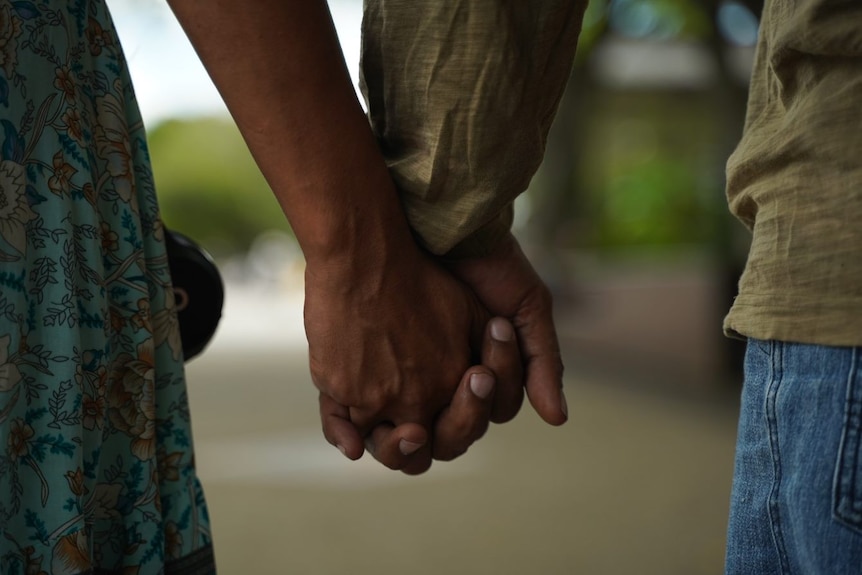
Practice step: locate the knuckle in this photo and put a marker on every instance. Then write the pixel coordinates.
(450, 453)
(506, 411)
(345, 392)
(393, 464)
(559, 368)
(541, 300)
(460, 429)
(544, 294)
(417, 467)
(384, 455)
(328, 435)
(332, 385)
(363, 421)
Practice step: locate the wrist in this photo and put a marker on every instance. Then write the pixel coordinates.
(486, 240)
(364, 254)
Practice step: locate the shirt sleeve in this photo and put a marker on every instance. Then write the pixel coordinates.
(461, 95)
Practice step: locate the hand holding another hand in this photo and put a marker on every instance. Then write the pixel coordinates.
(393, 335)
(393, 356)
(391, 349)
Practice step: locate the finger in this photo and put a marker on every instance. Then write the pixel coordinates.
(479, 318)
(534, 325)
(338, 429)
(466, 419)
(501, 355)
(404, 447)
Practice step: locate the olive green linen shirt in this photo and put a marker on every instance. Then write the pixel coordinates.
(461, 94)
(795, 178)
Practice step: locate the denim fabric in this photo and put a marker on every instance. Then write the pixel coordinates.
(796, 504)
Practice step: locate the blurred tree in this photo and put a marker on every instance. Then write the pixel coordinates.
(645, 166)
(671, 192)
(209, 186)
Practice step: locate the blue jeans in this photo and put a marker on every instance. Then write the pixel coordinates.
(796, 504)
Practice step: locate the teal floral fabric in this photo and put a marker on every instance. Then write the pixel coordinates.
(96, 464)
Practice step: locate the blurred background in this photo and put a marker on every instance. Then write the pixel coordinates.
(627, 222)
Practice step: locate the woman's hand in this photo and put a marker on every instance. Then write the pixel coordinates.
(495, 385)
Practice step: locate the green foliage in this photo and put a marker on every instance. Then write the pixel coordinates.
(208, 185)
(659, 19)
(653, 19)
(594, 25)
(649, 174)
(652, 202)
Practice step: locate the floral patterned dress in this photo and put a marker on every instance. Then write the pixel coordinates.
(96, 463)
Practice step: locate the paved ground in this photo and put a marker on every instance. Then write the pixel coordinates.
(636, 482)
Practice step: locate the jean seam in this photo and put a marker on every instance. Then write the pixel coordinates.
(846, 468)
(775, 379)
(762, 345)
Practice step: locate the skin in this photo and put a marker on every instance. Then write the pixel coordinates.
(508, 286)
(392, 332)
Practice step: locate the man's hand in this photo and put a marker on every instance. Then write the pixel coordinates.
(507, 285)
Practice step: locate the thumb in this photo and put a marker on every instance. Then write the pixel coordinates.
(501, 354)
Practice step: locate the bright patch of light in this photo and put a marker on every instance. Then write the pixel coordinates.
(634, 19)
(167, 74)
(737, 24)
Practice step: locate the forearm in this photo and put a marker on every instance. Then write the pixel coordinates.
(461, 95)
(279, 67)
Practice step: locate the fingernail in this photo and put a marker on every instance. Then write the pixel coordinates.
(481, 384)
(501, 330)
(342, 450)
(408, 447)
(564, 407)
